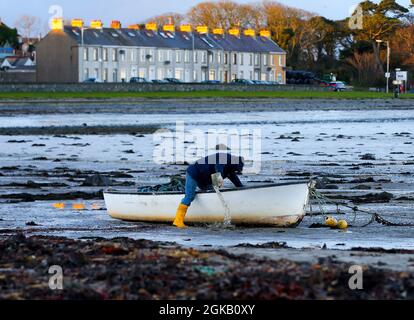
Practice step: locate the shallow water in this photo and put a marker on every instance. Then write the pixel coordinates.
(330, 143)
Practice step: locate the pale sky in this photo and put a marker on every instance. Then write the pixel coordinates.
(132, 11)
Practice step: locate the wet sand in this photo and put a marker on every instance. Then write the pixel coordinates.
(359, 152)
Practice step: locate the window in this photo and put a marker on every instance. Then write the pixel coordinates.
(241, 59)
(122, 54)
(187, 56)
(212, 75)
(235, 58)
(219, 57)
(132, 55)
(226, 58)
(251, 75)
(114, 55)
(256, 59)
(279, 78)
(115, 75)
(281, 60)
(178, 57)
(195, 57)
(151, 56)
(241, 75)
(265, 59)
(273, 60)
(105, 54)
(195, 75)
(179, 74)
(96, 73)
(143, 55)
(251, 59)
(86, 54)
(211, 57)
(204, 57)
(123, 75)
(160, 55)
(168, 55)
(105, 75)
(86, 73)
(95, 54)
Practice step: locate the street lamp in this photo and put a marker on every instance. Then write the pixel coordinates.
(387, 76)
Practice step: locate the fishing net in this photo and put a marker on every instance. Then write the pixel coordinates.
(176, 184)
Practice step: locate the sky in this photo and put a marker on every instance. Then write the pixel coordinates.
(133, 11)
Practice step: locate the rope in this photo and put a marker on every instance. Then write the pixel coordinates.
(323, 200)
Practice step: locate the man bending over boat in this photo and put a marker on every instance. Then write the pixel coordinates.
(201, 174)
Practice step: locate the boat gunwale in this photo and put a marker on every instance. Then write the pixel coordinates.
(164, 193)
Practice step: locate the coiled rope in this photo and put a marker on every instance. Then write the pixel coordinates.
(323, 200)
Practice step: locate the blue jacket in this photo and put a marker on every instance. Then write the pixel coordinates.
(224, 163)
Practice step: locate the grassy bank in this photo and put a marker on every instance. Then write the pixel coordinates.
(197, 94)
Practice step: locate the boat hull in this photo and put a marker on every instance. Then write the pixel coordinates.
(281, 205)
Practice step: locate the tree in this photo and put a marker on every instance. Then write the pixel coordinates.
(167, 18)
(379, 22)
(226, 14)
(28, 25)
(363, 65)
(8, 35)
(287, 25)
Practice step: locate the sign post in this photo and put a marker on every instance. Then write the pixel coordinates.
(402, 77)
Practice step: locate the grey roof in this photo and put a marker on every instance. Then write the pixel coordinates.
(177, 40)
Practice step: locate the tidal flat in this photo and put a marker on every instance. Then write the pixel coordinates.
(359, 152)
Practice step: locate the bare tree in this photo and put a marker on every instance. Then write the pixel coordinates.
(28, 26)
(167, 18)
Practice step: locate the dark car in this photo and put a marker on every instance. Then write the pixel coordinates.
(211, 82)
(241, 81)
(159, 81)
(92, 80)
(172, 80)
(138, 80)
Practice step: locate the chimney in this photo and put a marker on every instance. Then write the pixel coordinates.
(115, 24)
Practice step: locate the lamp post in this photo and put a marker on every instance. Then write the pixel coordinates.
(387, 76)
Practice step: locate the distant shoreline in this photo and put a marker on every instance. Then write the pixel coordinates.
(106, 96)
(193, 105)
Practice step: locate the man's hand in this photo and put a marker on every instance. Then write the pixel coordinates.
(217, 180)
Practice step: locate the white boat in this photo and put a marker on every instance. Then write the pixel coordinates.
(277, 205)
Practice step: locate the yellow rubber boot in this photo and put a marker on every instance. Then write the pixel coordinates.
(180, 215)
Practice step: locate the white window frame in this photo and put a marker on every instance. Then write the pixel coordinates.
(178, 56)
(105, 54)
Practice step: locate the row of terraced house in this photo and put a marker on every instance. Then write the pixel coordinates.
(72, 52)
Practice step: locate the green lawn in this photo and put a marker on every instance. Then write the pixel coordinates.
(200, 94)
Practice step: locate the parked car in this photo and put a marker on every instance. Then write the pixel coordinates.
(160, 81)
(92, 80)
(273, 83)
(338, 86)
(211, 82)
(172, 80)
(241, 81)
(138, 80)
